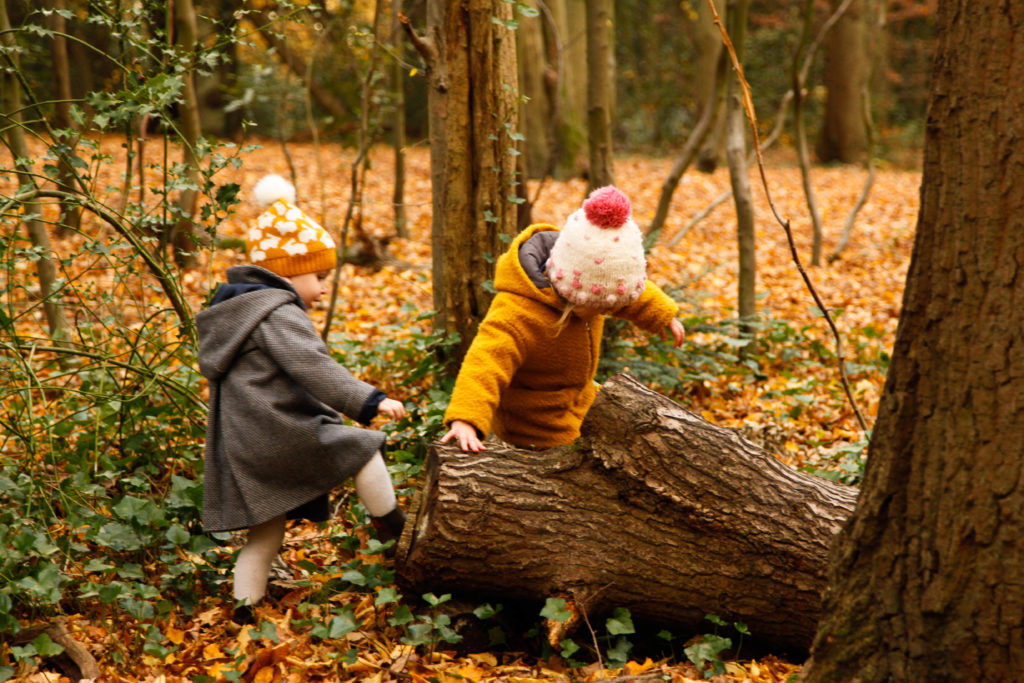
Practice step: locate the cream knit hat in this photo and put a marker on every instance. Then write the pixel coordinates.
(285, 240)
(598, 258)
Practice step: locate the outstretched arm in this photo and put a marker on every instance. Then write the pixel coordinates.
(678, 333)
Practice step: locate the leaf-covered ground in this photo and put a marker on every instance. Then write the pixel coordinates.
(794, 405)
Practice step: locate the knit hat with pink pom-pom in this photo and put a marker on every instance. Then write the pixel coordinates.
(598, 259)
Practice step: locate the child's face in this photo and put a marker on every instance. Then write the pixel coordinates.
(310, 286)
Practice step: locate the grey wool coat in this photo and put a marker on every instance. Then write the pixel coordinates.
(275, 436)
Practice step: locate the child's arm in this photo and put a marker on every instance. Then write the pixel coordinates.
(493, 358)
(287, 335)
(654, 311)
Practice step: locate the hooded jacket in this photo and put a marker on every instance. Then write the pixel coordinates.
(275, 436)
(525, 377)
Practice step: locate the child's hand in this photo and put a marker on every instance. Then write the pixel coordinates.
(392, 408)
(465, 434)
(678, 333)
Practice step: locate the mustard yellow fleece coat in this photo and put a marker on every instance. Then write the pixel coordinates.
(526, 378)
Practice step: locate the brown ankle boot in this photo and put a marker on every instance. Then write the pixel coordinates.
(389, 527)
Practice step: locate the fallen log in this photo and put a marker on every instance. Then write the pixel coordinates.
(653, 509)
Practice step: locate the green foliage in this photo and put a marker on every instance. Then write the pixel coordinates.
(844, 464)
(706, 650)
(751, 352)
(100, 477)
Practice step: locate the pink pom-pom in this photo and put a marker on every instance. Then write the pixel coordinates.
(607, 207)
(576, 283)
(596, 289)
(599, 261)
(622, 288)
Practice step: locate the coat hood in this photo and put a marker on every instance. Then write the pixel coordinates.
(519, 271)
(250, 295)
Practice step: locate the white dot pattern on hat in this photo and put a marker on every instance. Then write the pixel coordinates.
(601, 267)
(284, 231)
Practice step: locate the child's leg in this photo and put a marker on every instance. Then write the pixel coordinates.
(373, 486)
(253, 565)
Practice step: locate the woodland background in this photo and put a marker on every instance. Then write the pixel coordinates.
(133, 133)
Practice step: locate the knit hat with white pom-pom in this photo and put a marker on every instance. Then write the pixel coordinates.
(285, 240)
(598, 259)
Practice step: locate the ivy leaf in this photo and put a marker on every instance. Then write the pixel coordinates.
(554, 608)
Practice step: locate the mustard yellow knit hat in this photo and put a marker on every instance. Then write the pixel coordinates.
(285, 240)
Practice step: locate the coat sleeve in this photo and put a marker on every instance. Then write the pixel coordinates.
(653, 310)
(497, 352)
(287, 335)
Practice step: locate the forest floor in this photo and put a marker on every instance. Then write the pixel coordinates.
(863, 287)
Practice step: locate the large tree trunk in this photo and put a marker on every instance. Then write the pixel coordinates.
(927, 582)
(471, 62)
(654, 509)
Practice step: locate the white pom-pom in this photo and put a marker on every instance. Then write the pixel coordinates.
(271, 188)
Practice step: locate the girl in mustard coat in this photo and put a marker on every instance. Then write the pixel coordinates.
(529, 374)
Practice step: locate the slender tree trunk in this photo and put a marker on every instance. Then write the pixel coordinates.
(535, 113)
(653, 509)
(736, 153)
(66, 136)
(600, 87)
(927, 578)
(691, 149)
(185, 239)
(398, 139)
(800, 132)
(10, 88)
(294, 61)
(708, 90)
(567, 50)
(847, 66)
(471, 69)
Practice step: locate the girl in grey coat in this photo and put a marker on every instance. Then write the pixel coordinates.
(276, 441)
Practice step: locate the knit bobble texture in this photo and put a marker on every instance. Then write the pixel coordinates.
(602, 247)
(607, 207)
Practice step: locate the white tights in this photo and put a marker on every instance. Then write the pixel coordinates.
(373, 486)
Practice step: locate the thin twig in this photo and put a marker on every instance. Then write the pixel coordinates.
(748, 105)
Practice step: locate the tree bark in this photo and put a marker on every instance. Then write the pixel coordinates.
(927, 580)
(600, 88)
(653, 509)
(471, 70)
